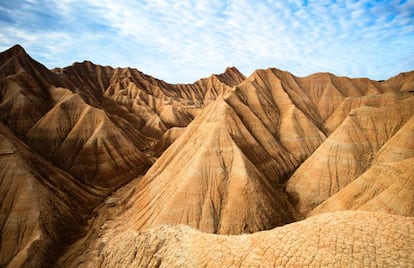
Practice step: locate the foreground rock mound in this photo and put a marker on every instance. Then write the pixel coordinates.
(335, 239)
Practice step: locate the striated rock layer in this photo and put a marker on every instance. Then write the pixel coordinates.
(42, 208)
(349, 152)
(226, 155)
(84, 141)
(206, 176)
(151, 104)
(387, 185)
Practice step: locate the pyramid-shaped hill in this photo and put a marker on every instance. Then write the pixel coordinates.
(42, 208)
(326, 91)
(318, 95)
(84, 141)
(208, 89)
(388, 185)
(272, 113)
(236, 155)
(260, 124)
(347, 153)
(27, 90)
(207, 180)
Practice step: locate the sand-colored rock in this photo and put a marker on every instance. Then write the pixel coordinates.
(150, 104)
(350, 103)
(256, 125)
(388, 185)
(264, 99)
(403, 81)
(347, 153)
(42, 208)
(167, 139)
(399, 147)
(227, 147)
(206, 180)
(83, 140)
(342, 239)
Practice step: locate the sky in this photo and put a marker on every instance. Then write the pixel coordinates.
(181, 41)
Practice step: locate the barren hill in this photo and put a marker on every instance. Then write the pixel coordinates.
(42, 208)
(84, 141)
(99, 166)
(348, 152)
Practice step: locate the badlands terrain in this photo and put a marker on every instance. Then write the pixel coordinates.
(110, 167)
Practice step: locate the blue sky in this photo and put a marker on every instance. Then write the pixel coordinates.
(184, 40)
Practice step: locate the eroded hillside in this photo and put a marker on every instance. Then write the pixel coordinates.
(98, 165)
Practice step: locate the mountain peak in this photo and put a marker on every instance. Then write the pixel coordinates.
(231, 69)
(231, 76)
(11, 52)
(16, 49)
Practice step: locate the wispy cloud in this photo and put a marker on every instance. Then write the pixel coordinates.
(180, 41)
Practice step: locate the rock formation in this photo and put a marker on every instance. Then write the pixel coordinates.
(84, 141)
(391, 172)
(336, 239)
(101, 166)
(42, 208)
(347, 153)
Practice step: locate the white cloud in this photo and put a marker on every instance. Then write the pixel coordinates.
(181, 41)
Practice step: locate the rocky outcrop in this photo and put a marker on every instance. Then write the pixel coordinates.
(333, 239)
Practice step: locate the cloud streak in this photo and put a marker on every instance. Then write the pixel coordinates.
(181, 41)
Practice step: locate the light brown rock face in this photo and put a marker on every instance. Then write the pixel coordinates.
(227, 155)
(267, 106)
(83, 140)
(207, 180)
(150, 104)
(348, 152)
(350, 103)
(387, 185)
(402, 81)
(41, 207)
(167, 139)
(342, 239)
